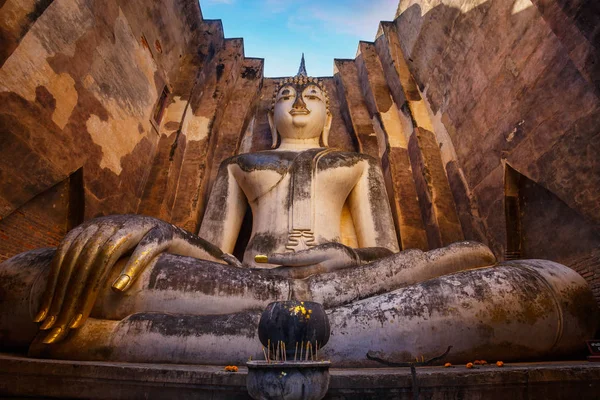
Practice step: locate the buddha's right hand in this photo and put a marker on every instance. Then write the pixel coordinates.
(87, 254)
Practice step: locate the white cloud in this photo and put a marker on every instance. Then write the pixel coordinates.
(357, 18)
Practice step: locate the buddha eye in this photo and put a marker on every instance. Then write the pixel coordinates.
(286, 94)
(312, 94)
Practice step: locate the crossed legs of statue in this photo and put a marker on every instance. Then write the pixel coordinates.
(411, 304)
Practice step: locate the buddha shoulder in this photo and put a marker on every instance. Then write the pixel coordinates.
(345, 159)
(280, 161)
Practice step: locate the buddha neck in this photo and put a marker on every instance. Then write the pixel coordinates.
(295, 144)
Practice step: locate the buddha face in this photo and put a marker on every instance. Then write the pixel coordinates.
(300, 111)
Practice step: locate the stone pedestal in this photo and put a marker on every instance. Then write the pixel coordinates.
(26, 377)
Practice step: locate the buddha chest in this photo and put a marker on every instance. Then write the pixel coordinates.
(289, 191)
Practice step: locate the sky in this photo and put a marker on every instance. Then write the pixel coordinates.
(280, 31)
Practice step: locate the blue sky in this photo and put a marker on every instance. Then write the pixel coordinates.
(279, 31)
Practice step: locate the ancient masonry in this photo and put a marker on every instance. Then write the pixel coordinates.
(485, 116)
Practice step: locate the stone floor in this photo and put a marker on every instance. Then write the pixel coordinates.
(25, 377)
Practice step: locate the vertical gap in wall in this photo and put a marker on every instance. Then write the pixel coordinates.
(389, 185)
(159, 109)
(512, 213)
(244, 236)
(76, 207)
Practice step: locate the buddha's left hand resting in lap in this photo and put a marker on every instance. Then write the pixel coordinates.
(179, 297)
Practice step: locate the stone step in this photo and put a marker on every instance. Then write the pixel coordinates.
(26, 377)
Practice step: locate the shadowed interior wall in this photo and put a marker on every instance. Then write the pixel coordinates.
(514, 82)
(41, 222)
(79, 81)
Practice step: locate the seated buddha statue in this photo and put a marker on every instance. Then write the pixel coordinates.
(137, 289)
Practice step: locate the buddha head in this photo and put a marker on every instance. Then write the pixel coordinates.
(300, 109)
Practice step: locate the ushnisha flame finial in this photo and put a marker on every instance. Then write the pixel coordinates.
(302, 69)
(300, 81)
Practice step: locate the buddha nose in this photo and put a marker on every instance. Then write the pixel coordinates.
(299, 104)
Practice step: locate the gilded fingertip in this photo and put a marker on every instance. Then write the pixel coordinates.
(261, 258)
(48, 323)
(76, 321)
(53, 336)
(41, 315)
(121, 283)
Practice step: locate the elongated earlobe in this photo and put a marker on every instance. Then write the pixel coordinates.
(274, 134)
(326, 128)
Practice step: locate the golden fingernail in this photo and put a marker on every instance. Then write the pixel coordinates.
(76, 322)
(121, 283)
(41, 315)
(53, 336)
(48, 323)
(261, 258)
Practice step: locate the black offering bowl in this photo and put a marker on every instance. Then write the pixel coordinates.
(295, 323)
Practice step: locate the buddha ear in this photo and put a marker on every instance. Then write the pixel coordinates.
(326, 128)
(273, 129)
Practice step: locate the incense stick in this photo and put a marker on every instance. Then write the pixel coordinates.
(283, 352)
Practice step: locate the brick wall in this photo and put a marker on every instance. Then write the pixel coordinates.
(589, 267)
(42, 222)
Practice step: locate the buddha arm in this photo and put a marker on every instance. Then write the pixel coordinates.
(225, 211)
(371, 213)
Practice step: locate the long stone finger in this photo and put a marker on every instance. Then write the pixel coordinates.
(156, 241)
(304, 271)
(55, 267)
(81, 273)
(71, 257)
(299, 259)
(118, 245)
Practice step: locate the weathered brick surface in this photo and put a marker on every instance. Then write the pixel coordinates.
(512, 81)
(372, 80)
(152, 202)
(79, 90)
(201, 124)
(237, 114)
(16, 17)
(588, 266)
(437, 204)
(42, 222)
(405, 202)
(541, 215)
(389, 51)
(339, 135)
(397, 171)
(259, 137)
(576, 24)
(466, 207)
(355, 112)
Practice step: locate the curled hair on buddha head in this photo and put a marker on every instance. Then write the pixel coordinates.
(300, 82)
